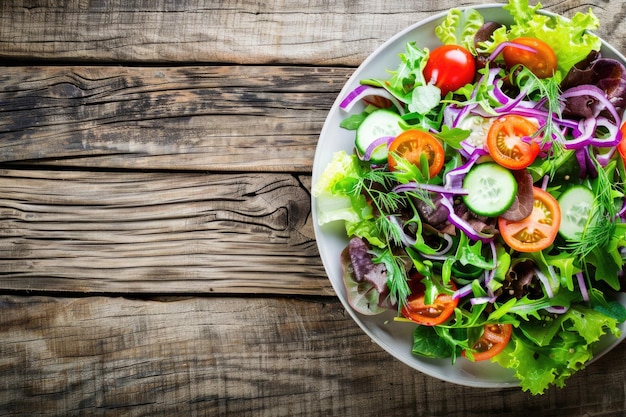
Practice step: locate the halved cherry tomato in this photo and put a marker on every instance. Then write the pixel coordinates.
(505, 144)
(494, 339)
(542, 62)
(537, 231)
(411, 144)
(428, 314)
(621, 146)
(450, 67)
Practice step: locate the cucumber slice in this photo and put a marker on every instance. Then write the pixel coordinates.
(491, 189)
(379, 123)
(576, 203)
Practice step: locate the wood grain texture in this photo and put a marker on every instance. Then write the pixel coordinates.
(155, 148)
(245, 32)
(226, 118)
(242, 356)
(157, 233)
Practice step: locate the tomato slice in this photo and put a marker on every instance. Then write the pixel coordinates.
(505, 144)
(450, 67)
(537, 231)
(494, 339)
(621, 146)
(411, 144)
(542, 61)
(428, 314)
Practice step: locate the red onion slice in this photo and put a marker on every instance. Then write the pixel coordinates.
(582, 286)
(362, 91)
(383, 140)
(462, 224)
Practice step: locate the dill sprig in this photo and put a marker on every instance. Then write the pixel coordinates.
(547, 92)
(376, 185)
(600, 225)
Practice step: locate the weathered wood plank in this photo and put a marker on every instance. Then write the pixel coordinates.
(230, 118)
(158, 233)
(241, 356)
(246, 32)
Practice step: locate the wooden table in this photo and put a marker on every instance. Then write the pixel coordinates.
(156, 242)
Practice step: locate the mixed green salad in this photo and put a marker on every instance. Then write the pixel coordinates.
(484, 200)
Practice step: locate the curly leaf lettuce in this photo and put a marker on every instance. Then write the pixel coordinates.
(571, 346)
(337, 201)
(333, 191)
(459, 28)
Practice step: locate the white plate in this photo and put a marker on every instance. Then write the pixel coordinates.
(396, 338)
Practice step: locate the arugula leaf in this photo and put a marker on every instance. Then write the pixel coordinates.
(527, 308)
(353, 121)
(567, 266)
(407, 84)
(408, 74)
(503, 263)
(471, 254)
(452, 136)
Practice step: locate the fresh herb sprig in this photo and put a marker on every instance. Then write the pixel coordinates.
(601, 221)
(547, 92)
(376, 185)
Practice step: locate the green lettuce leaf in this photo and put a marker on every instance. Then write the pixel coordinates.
(367, 229)
(427, 343)
(565, 351)
(459, 28)
(469, 253)
(333, 191)
(341, 168)
(407, 82)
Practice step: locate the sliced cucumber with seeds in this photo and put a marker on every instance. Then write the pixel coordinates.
(380, 123)
(576, 203)
(491, 189)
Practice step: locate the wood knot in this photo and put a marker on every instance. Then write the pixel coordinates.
(65, 90)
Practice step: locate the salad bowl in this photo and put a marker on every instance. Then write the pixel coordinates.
(394, 337)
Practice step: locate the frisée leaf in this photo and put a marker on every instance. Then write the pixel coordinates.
(459, 28)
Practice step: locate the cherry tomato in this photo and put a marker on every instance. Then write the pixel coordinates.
(428, 314)
(621, 146)
(505, 145)
(542, 62)
(411, 144)
(494, 339)
(537, 231)
(450, 67)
